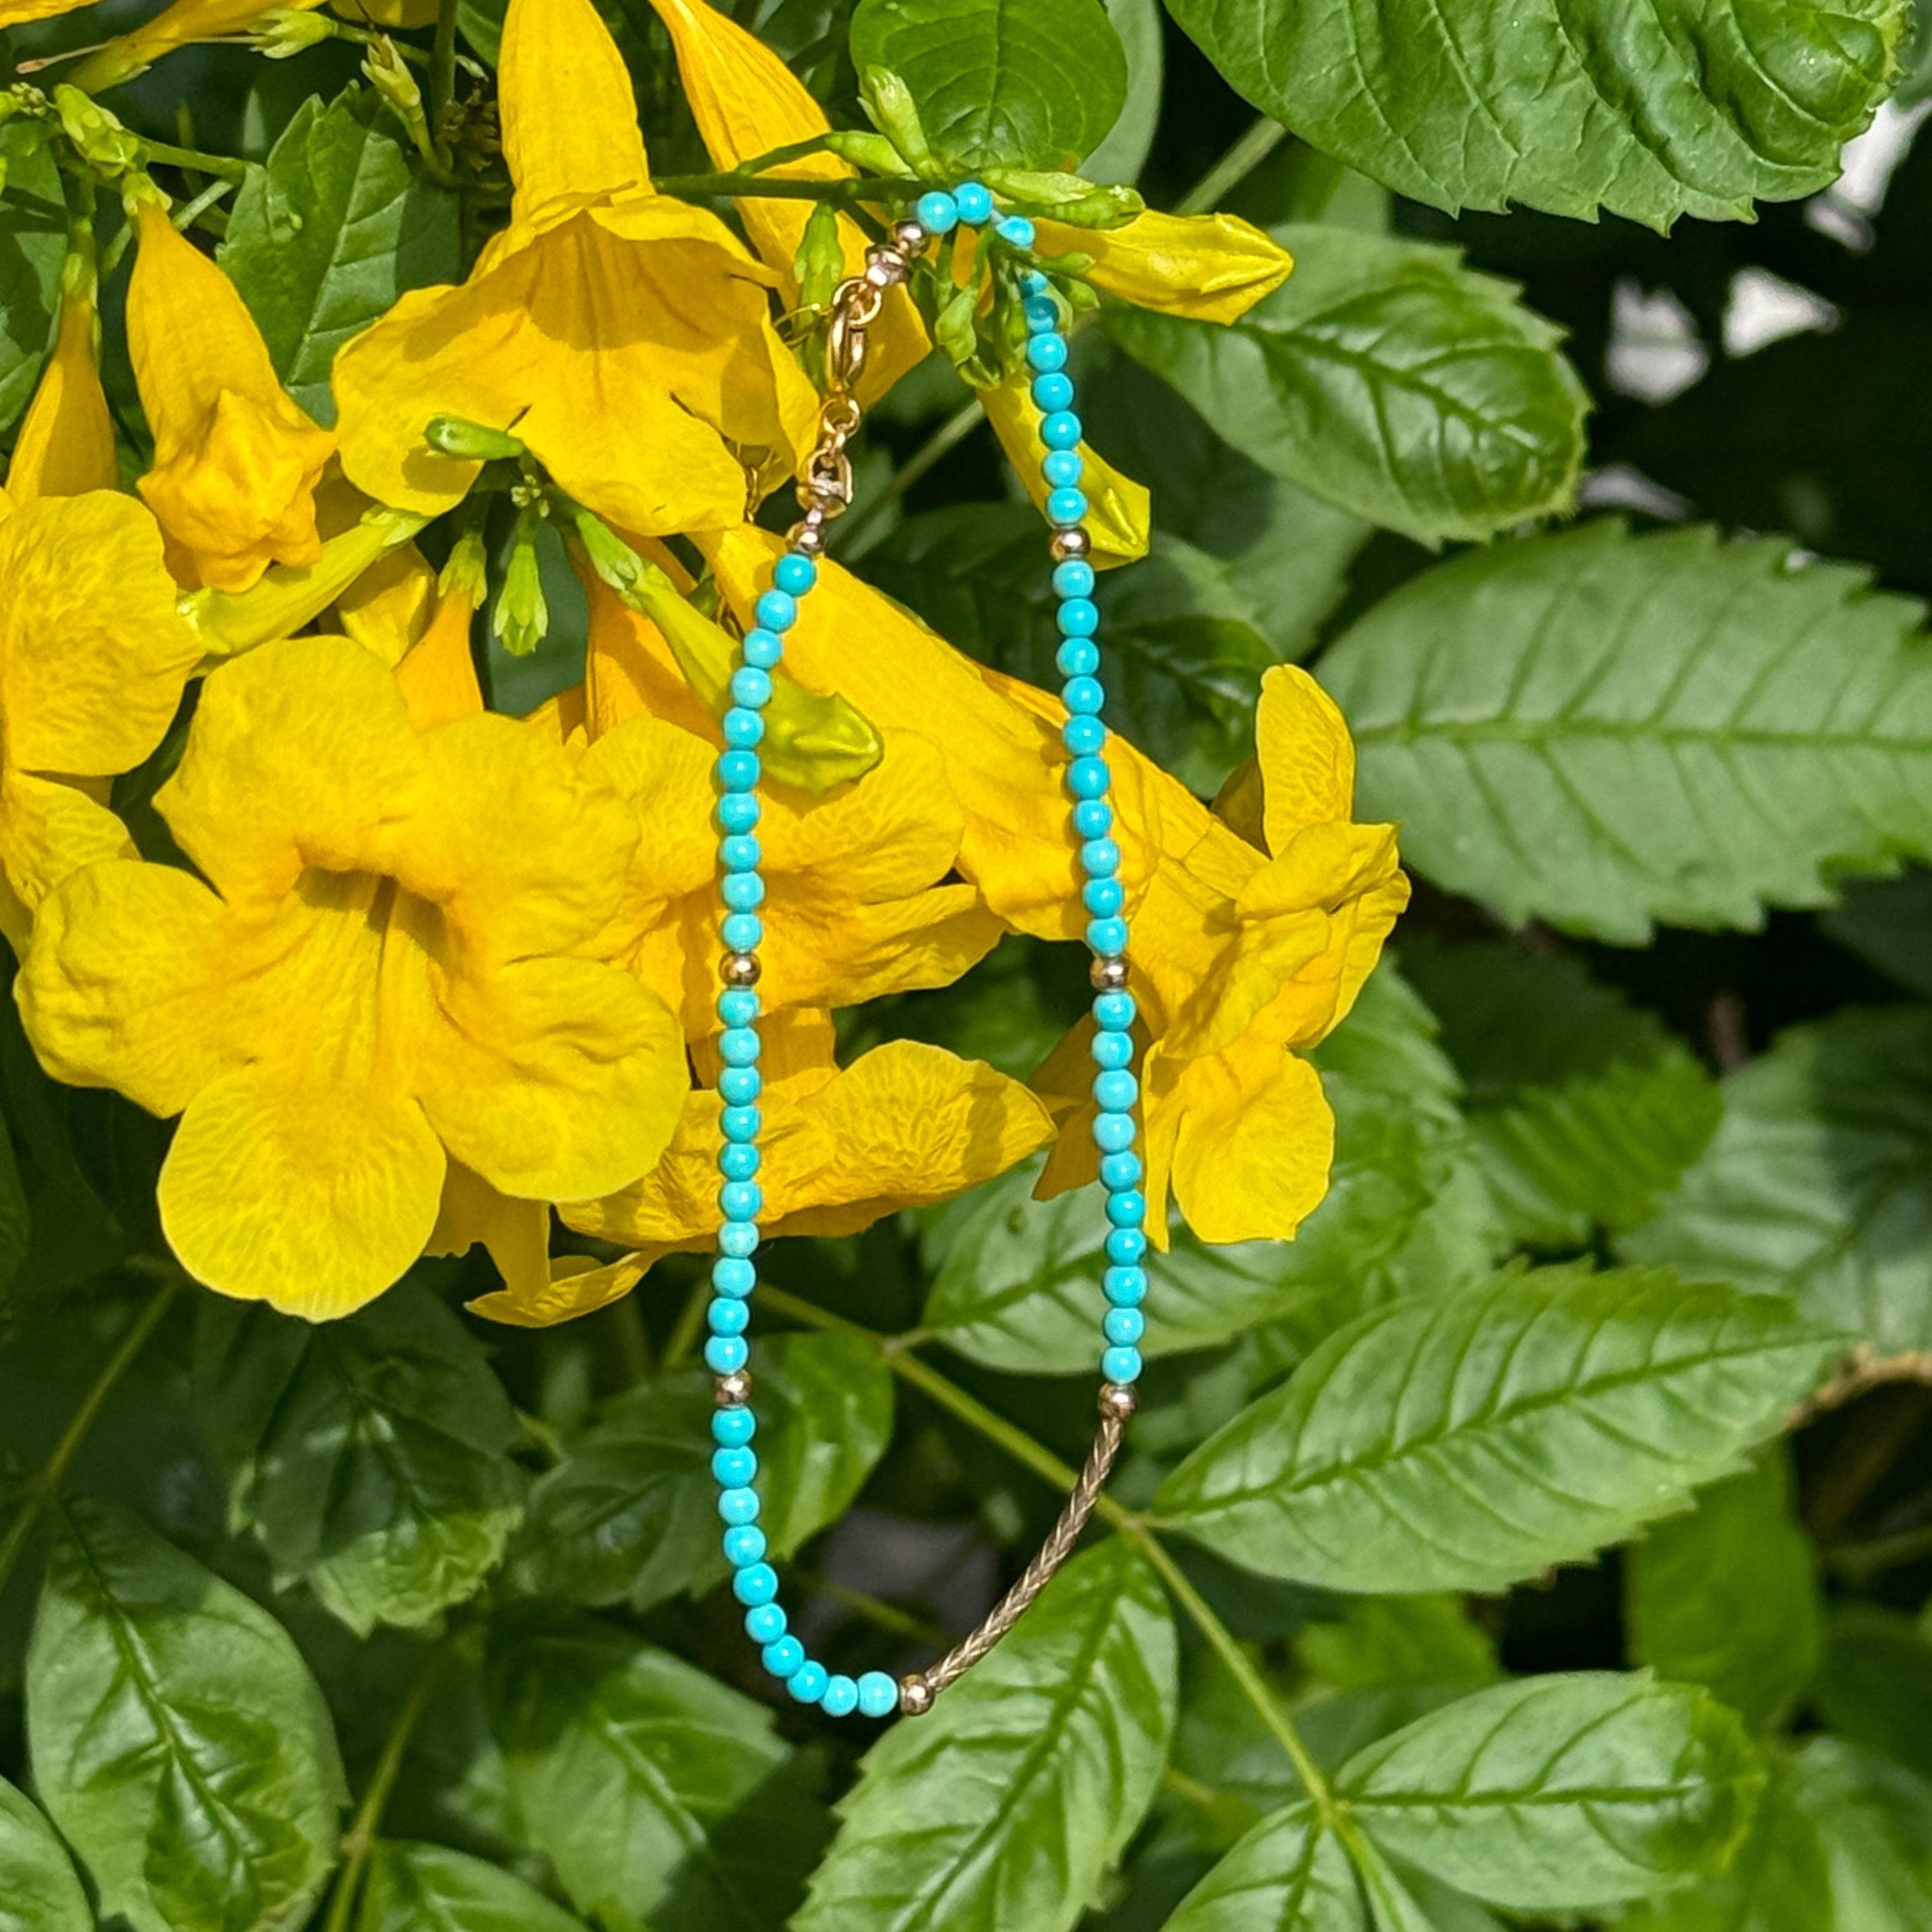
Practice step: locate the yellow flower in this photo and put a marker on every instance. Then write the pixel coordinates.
(746, 102)
(236, 459)
(625, 335)
(904, 1125)
(66, 447)
(1121, 511)
(386, 971)
(94, 657)
(1212, 268)
(1243, 960)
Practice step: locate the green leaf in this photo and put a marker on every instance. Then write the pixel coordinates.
(998, 83)
(1818, 1183)
(41, 1893)
(1875, 1688)
(1289, 1875)
(324, 238)
(178, 1740)
(630, 1514)
(1000, 1811)
(369, 1455)
(1674, 109)
(1562, 1792)
(1874, 1821)
(1122, 156)
(1470, 1440)
(1603, 730)
(1585, 1110)
(623, 1762)
(1727, 1597)
(429, 1888)
(16, 1219)
(1888, 924)
(1379, 1640)
(31, 252)
(1387, 379)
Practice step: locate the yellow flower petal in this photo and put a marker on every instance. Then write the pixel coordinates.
(66, 447)
(177, 25)
(17, 13)
(1305, 756)
(1213, 268)
(570, 117)
(94, 654)
(306, 1195)
(1120, 522)
(576, 1286)
(386, 13)
(516, 1233)
(438, 678)
(388, 608)
(236, 460)
(52, 829)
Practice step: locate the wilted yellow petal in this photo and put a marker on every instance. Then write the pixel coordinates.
(1120, 515)
(570, 116)
(66, 447)
(1212, 268)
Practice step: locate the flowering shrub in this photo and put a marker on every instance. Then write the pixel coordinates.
(1524, 1520)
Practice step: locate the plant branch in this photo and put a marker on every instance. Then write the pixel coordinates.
(841, 193)
(1249, 151)
(359, 1841)
(442, 72)
(234, 172)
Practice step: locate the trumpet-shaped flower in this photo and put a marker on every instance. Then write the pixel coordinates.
(237, 460)
(66, 447)
(1120, 511)
(385, 972)
(1210, 268)
(904, 1125)
(626, 335)
(94, 657)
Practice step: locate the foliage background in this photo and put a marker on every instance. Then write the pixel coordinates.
(1656, 1048)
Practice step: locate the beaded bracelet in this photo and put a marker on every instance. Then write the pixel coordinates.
(824, 493)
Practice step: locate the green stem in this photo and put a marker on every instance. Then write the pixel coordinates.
(45, 1484)
(234, 172)
(359, 1841)
(683, 1338)
(442, 73)
(941, 443)
(842, 193)
(1252, 148)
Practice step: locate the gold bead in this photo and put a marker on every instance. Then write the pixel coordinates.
(732, 1391)
(1071, 543)
(1108, 975)
(1118, 1399)
(915, 1696)
(740, 969)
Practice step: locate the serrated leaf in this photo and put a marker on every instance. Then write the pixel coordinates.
(1604, 731)
(1379, 1640)
(1818, 1183)
(997, 84)
(1674, 109)
(1562, 1792)
(429, 1888)
(1387, 379)
(1874, 1822)
(1468, 1441)
(1875, 1687)
(1000, 1811)
(178, 1740)
(369, 1455)
(630, 1514)
(326, 236)
(30, 265)
(40, 1893)
(1289, 1875)
(1727, 1597)
(625, 1764)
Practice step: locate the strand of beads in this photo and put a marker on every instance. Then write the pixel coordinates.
(735, 1462)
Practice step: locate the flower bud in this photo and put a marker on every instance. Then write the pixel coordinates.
(473, 442)
(285, 32)
(890, 106)
(871, 152)
(1099, 208)
(98, 137)
(467, 574)
(820, 263)
(613, 559)
(521, 619)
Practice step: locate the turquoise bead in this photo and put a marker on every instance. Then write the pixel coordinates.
(973, 202)
(1066, 507)
(1062, 468)
(1126, 1209)
(1126, 1287)
(744, 1547)
(1077, 658)
(1083, 734)
(1032, 282)
(726, 1354)
(1123, 1327)
(742, 728)
(795, 573)
(1042, 313)
(727, 1316)
(1101, 857)
(1048, 353)
(784, 1657)
(1053, 390)
(1088, 778)
(1114, 1133)
(1082, 696)
(738, 1506)
(1078, 617)
(1103, 897)
(765, 1623)
(738, 1006)
(740, 1199)
(751, 687)
(1063, 430)
(1115, 1090)
(738, 1161)
(738, 771)
(1114, 1011)
(738, 1087)
(1107, 937)
(878, 1696)
(739, 1046)
(1112, 1049)
(840, 1698)
(1016, 231)
(1119, 1171)
(762, 647)
(1092, 818)
(1121, 1364)
(806, 1684)
(738, 1239)
(742, 932)
(742, 892)
(738, 811)
(731, 1275)
(938, 213)
(740, 1123)
(733, 1428)
(777, 610)
(1125, 1246)
(757, 1582)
